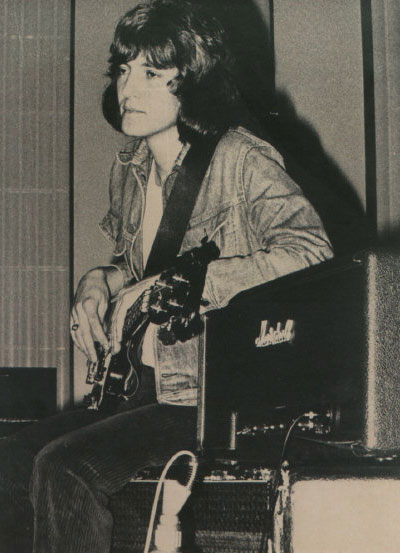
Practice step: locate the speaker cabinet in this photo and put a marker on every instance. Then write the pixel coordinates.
(339, 512)
(221, 516)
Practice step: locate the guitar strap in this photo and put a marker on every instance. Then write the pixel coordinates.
(180, 204)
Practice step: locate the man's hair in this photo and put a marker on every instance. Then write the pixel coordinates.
(185, 35)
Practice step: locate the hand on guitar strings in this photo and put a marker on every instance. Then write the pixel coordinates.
(87, 314)
(125, 299)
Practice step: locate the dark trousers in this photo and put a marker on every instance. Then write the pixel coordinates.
(60, 472)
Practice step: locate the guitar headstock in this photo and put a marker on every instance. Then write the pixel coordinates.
(174, 300)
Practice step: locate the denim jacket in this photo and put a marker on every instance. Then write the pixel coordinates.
(258, 217)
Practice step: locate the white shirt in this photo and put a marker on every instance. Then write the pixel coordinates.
(151, 220)
(152, 213)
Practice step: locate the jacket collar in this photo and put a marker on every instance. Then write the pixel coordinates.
(137, 153)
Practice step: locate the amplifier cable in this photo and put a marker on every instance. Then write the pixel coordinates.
(167, 536)
(282, 473)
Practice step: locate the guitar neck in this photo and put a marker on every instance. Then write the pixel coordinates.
(133, 315)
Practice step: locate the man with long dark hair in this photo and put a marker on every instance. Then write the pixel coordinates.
(172, 90)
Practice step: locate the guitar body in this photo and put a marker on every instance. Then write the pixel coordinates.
(173, 303)
(117, 377)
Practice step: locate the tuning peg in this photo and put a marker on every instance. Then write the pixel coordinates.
(178, 278)
(157, 314)
(163, 284)
(166, 335)
(157, 308)
(173, 303)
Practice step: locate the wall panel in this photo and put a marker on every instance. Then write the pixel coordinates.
(386, 67)
(319, 78)
(34, 186)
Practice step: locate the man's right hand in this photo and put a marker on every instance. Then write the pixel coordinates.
(87, 314)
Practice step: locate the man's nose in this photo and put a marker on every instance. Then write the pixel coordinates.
(128, 86)
(133, 85)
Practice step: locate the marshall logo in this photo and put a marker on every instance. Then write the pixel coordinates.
(270, 336)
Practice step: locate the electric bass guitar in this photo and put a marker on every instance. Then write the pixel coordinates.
(173, 303)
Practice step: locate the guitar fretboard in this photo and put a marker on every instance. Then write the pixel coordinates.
(132, 316)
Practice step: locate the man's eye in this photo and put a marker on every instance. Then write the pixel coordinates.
(151, 74)
(122, 69)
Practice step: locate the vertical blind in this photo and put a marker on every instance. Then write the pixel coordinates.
(34, 186)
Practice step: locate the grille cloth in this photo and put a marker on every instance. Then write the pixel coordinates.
(220, 517)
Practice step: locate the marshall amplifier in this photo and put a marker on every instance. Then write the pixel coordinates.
(323, 341)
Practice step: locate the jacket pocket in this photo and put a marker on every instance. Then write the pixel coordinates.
(219, 227)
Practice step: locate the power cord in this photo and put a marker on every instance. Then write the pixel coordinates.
(185, 491)
(283, 467)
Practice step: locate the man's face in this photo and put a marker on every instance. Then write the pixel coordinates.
(146, 103)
